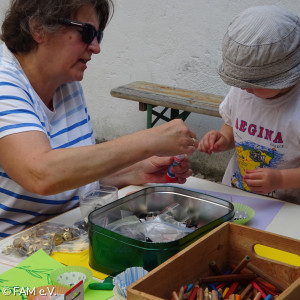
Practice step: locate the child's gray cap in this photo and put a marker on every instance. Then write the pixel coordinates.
(261, 49)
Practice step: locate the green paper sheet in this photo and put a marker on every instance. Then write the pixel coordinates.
(34, 272)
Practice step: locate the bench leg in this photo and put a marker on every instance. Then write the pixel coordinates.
(149, 115)
(174, 114)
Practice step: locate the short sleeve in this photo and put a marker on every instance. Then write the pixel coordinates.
(225, 108)
(18, 112)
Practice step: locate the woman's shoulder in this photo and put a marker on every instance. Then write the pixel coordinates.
(7, 58)
(11, 73)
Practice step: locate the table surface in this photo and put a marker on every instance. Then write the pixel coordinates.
(285, 222)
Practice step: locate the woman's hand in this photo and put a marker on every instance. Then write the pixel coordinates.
(154, 170)
(172, 138)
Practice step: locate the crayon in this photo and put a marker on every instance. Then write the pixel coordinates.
(181, 292)
(257, 296)
(224, 284)
(193, 294)
(200, 295)
(267, 284)
(101, 286)
(221, 285)
(232, 289)
(174, 296)
(237, 297)
(279, 285)
(186, 295)
(256, 286)
(241, 265)
(226, 278)
(214, 267)
(246, 291)
(225, 292)
(189, 287)
(214, 295)
(213, 288)
(206, 294)
(266, 289)
(269, 297)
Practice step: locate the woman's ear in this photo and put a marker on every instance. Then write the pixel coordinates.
(36, 30)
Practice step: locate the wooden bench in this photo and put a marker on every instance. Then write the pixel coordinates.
(179, 102)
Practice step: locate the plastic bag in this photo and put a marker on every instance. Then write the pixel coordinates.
(45, 236)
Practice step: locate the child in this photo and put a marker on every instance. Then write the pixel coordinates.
(261, 112)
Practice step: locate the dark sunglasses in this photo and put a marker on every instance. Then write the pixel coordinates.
(88, 32)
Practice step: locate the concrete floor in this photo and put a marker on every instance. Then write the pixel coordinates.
(211, 167)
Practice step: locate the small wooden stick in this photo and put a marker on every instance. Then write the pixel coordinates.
(181, 292)
(241, 265)
(246, 291)
(257, 296)
(230, 277)
(174, 296)
(200, 294)
(279, 285)
(214, 295)
(214, 267)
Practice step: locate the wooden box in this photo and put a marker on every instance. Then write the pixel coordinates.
(227, 244)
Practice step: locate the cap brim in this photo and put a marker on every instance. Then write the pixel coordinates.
(281, 81)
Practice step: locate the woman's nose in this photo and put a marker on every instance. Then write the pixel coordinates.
(94, 46)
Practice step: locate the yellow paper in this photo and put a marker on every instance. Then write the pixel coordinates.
(77, 259)
(34, 272)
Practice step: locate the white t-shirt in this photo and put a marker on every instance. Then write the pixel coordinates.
(266, 134)
(68, 125)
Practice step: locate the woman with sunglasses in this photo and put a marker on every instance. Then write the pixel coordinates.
(47, 150)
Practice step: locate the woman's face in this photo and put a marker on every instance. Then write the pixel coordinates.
(67, 54)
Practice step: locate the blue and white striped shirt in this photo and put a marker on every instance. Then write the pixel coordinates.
(68, 125)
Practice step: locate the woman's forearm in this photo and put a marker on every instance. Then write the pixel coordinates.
(28, 159)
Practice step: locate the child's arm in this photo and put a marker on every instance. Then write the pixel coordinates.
(217, 141)
(266, 180)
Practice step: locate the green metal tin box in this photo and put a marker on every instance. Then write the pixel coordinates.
(111, 252)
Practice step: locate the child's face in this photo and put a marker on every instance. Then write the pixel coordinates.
(268, 93)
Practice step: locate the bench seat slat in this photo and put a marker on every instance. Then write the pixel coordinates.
(166, 96)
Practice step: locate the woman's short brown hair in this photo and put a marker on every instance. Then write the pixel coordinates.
(16, 26)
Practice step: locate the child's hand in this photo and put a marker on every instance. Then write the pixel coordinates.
(213, 141)
(263, 180)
